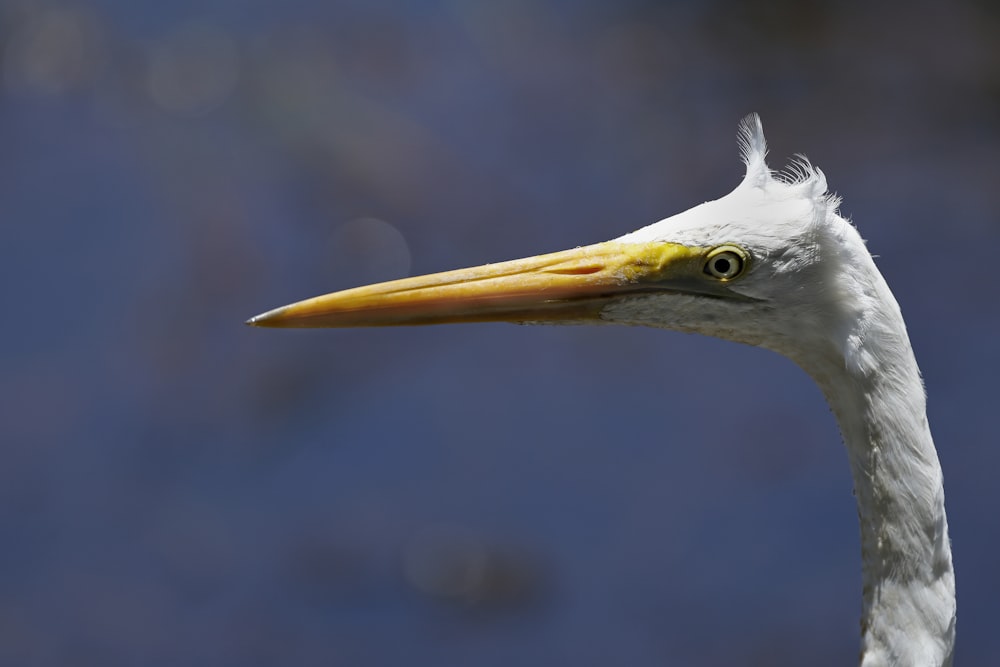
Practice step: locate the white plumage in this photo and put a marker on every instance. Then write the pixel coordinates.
(770, 264)
(820, 300)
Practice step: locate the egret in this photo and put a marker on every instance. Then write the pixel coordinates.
(771, 264)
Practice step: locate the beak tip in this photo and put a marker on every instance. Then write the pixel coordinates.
(268, 319)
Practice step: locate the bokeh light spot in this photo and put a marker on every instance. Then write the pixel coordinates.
(57, 52)
(370, 250)
(193, 70)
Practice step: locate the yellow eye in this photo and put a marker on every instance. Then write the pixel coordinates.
(726, 262)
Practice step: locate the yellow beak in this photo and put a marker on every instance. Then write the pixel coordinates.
(573, 285)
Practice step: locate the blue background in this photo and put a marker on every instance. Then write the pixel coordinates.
(176, 488)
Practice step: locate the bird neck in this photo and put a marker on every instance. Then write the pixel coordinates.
(874, 388)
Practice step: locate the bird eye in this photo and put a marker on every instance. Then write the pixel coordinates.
(726, 262)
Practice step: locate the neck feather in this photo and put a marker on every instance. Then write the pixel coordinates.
(873, 386)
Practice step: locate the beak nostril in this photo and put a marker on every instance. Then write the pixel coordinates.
(577, 270)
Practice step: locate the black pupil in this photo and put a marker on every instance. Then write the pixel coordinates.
(722, 265)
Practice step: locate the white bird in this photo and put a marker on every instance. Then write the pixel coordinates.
(771, 264)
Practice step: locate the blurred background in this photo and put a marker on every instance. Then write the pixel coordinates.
(179, 489)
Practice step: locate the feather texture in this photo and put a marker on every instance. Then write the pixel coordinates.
(818, 298)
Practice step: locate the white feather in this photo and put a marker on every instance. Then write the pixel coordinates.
(819, 299)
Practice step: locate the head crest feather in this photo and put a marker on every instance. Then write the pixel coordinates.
(800, 176)
(753, 150)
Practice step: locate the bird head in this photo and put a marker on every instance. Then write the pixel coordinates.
(759, 266)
